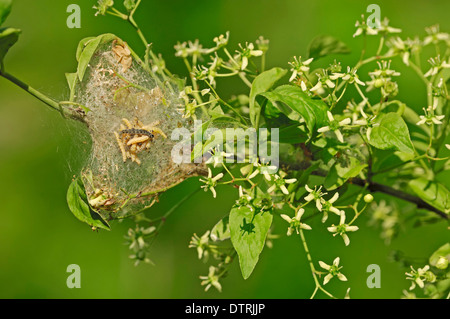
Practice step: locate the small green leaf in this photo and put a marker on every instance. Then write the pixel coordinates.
(391, 133)
(248, 235)
(296, 104)
(443, 251)
(86, 55)
(262, 83)
(71, 81)
(324, 45)
(342, 171)
(77, 201)
(81, 45)
(8, 37)
(221, 231)
(435, 194)
(86, 49)
(5, 9)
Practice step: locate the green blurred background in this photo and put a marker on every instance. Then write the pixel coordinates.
(39, 151)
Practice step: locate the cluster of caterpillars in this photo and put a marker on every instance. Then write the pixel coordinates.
(135, 137)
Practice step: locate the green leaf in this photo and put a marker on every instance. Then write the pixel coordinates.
(433, 193)
(72, 81)
(86, 49)
(292, 134)
(5, 9)
(226, 119)
(77, 201)
(8, 37)
(391, 133)
(296, 104)
(262, 83)
(342, 171)
(81, 45)
(324, 45)
(443, 251)
(221, 231)
(248, 235)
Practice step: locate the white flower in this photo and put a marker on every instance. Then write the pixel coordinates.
(217, 156)
(247, 53)
(333, 270)
(430, 118)
(211, 182)
(280, 182)
(363, 28)
(323, 81)
(342, 229)
(263, 168)
(299, 67)
(369, 122)
(201, 244)
(211, 280)
(354, 109)
(384, 70)
(350, 76)
(436, 66)
(183, 50)
(294, 223)
(434, 36)
(222, 40)
(334, 126)
(315, 195)
(403, 48)
(420, 276)
(327, 206)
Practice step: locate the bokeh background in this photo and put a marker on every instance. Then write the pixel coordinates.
(40, 152)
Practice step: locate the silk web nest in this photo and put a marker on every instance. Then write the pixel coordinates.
(130, 114)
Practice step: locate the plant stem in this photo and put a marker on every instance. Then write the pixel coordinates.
(313, 270)
(42, 97)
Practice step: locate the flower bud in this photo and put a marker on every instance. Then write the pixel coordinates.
(368, 198)
(379, 83)
(442, 263)
(430, 277)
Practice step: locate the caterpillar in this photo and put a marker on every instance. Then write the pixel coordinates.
(136, 131)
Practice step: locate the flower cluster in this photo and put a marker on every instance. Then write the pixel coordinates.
(136, 240)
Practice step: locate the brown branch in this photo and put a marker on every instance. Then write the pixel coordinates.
(420, 203)
(377, 187)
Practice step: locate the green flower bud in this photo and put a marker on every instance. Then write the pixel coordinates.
(430, 277)
(368, 198)
(379, 83)
(442, 263)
